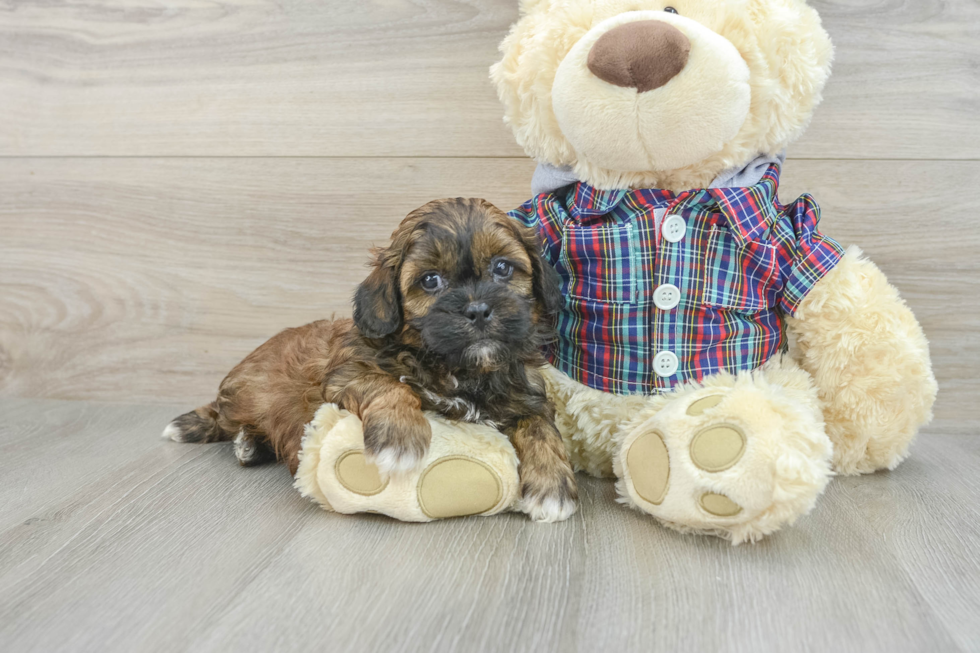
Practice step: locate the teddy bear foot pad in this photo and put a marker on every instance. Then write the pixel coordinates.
(737, 459)
(449, 487)
(713, 449)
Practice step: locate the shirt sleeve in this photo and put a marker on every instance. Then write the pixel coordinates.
(543, 213)
(809, 254)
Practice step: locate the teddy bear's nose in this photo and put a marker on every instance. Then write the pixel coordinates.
(645, 54)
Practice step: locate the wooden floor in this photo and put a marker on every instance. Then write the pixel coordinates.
(181, 179)
(114, 540)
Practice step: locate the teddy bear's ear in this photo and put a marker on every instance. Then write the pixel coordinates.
(799, 52)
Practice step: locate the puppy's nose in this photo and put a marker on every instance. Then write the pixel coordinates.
(478, 313)
(645, 54)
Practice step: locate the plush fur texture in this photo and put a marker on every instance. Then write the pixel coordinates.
(781, 43)
(870, 361)
(590, 421)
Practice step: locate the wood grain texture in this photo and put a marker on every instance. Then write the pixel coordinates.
(163, 268)
(409, 78)
(174, 547)
(146, 280)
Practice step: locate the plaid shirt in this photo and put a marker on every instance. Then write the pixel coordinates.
(741, 261)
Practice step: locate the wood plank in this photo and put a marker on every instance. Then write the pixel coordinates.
(252, 77)
(905, 84)
(404, 78)
(146, 280)
(103, 555)
(920, 534)
(174, 547)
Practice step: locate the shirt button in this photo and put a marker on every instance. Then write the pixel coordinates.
(674, 228)
(666, 296)
(665, 363)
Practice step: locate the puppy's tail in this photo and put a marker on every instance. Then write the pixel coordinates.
(199, 425)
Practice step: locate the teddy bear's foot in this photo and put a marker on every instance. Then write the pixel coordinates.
(738, 458)
(470, 469)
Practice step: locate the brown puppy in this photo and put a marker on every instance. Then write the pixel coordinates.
(451, 319)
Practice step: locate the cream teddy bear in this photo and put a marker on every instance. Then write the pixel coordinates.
(659, 131)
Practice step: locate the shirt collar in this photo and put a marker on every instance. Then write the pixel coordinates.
(749, 211)
(586, 201)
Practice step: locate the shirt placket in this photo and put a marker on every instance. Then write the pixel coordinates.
(672, 287)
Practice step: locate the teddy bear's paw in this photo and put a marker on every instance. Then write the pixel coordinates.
(713, 449)
(468, 469)
(737, 461)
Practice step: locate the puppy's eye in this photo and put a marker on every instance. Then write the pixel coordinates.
(431, 282)
(502, 270)
(670, 10)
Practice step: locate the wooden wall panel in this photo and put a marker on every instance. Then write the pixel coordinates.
(409, 78)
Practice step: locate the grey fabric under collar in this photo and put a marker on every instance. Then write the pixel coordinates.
(548, 178)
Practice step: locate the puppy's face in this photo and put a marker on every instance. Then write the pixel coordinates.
(463, 278)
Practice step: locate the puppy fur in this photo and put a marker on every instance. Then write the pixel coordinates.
(451, 319)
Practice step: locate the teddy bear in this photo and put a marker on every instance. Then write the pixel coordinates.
(659, 131)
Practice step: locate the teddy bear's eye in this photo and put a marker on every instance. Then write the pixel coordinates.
(670, 10)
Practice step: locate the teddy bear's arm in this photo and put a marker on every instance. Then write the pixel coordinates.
(870, 361)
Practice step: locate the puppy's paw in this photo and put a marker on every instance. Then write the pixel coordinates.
(245, 449)
(549, 498)
(548, 509)
(396, 459)
(250, 451)
(396, 441)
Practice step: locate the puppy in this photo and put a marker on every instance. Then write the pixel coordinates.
(451, 319)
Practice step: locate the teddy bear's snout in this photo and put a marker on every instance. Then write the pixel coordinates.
(643, 54)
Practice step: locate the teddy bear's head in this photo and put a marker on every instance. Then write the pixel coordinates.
(660, 93)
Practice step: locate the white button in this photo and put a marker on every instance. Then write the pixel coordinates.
(665, 363)
(674, 228)
(666, 296)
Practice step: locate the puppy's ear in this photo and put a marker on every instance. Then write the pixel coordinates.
(377, 301)
(546, 284)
